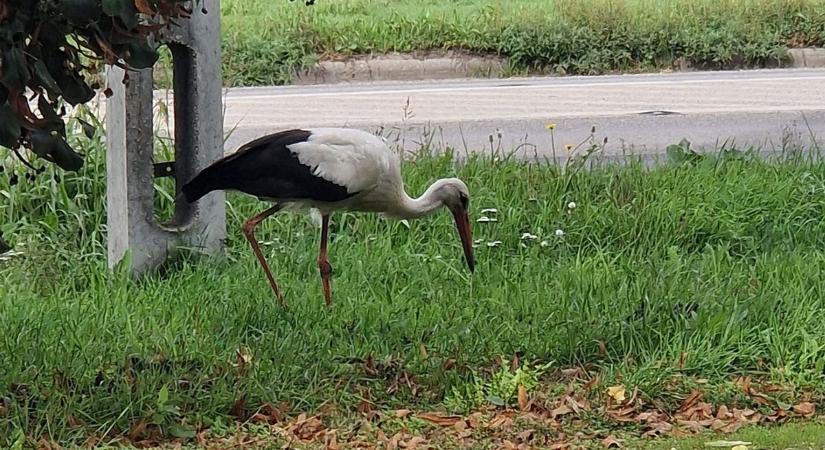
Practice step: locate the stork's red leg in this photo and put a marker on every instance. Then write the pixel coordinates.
(323, 263)
(249, 232)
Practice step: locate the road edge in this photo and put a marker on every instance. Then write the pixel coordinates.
(457, 65)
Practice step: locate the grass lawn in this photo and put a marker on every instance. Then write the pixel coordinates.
(661, 283)
(265, 40)
(792, 436)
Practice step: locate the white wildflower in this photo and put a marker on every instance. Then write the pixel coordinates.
(528, 237)
(485, 219)
(545, 243)
(493, 243)
(489, 211)
(571, 205)
(559, 233)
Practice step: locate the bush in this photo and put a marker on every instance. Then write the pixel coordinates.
(46, 47)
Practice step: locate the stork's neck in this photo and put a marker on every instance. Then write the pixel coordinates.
(413, 208)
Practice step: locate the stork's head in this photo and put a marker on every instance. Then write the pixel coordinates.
(454, 194)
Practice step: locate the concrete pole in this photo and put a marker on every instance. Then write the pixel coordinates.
(132, 227)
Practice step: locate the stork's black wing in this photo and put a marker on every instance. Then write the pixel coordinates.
(266, 168)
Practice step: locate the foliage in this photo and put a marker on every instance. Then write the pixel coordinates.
(47, 47)
(706, 268)
(500, 389)
(266, 41)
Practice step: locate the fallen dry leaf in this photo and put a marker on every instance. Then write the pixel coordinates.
(392, 444)
(500, 421)
(691, 400)
(526, 436)
(413, 443)
(306, 429)
(617, 393)
(402, 413)
(657, 429)
(622, 415)
(777, 417)
(475, 420)
(238, 410)
(723, 412)
(137, 430)
(805, 409)
(560, 411)
(460, 426)
(522, 397)
(611, 442)
(43, 444)
(273, 414)
(438, 419)
(365, 406)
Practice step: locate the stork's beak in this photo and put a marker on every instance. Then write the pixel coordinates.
(465, 232)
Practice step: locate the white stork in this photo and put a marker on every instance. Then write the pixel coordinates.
(328, 169)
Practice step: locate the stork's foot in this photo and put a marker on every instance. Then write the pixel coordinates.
(325, 268)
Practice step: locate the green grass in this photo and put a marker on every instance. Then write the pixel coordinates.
(792, 436)
(717, 263)
(265, 40)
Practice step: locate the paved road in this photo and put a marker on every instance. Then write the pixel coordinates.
(637, 113)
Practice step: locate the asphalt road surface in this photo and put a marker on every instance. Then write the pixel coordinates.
(638, 114)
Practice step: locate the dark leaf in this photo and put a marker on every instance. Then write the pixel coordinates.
(141, 55)
(45, 78)
(88, 129)
(76, 91)
(47, 111)
(65, 156)
(53, 147)
(15, 70)
(9, 127)
(81, 10)
(42, 143)
(124, 9)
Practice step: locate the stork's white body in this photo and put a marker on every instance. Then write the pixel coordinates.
(360, 162)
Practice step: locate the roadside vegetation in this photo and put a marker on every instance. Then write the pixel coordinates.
(621, 301)
(265, 41)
